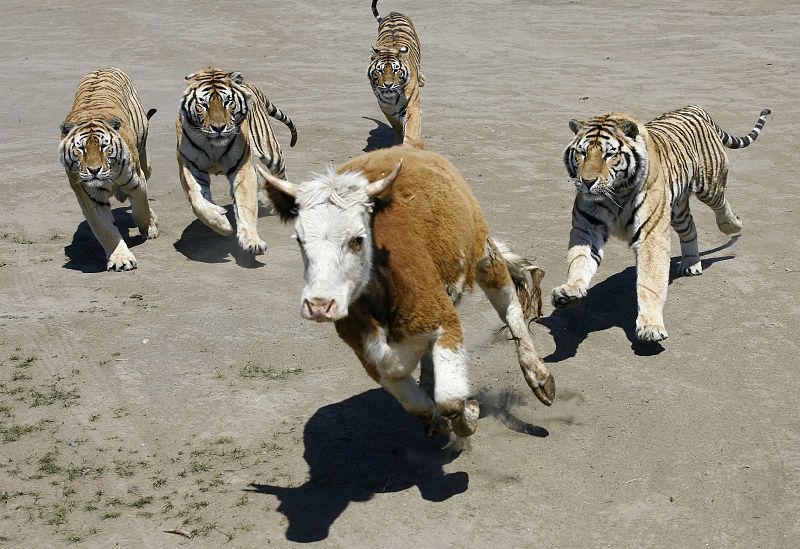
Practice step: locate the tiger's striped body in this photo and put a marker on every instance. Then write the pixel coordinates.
(395, 75)
(223, 129)
(104, 151)
(634, 180)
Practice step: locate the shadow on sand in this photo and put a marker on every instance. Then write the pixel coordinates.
(380, 137)
(610, 304)
(85, 253)
(357, 448)
(200, 243)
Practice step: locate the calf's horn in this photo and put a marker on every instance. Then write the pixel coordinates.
(382, 184)
(280, 184)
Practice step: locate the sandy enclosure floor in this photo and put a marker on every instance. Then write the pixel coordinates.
(189, 396)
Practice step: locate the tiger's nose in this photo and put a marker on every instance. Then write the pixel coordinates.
(588, 182)
(94, 171)
(218, 127)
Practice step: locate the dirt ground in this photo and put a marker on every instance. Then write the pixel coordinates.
(186, 403)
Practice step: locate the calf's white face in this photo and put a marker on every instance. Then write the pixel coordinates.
(333, 232)
(333, 229)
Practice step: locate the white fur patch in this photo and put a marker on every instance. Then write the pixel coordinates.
(450, 374)
(396, 359)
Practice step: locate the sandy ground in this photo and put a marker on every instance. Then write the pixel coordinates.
(188, 395)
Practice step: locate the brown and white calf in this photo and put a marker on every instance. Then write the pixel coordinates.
(390, 241)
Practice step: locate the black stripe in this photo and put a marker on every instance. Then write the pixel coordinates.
(195, 145)
(589, 217)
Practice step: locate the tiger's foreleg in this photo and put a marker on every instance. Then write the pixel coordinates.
(652, 278)
(100, 219)
(196, 185)
(135, 187)
(244, 189)
(583, 258)
(412, 131)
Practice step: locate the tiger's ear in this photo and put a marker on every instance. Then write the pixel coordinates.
(373, 53)
(248, 100)
(190, 76)
(114, 122)
(629, 128)
(236, 76)
(404, 50)
(66, 127)
(575, 126)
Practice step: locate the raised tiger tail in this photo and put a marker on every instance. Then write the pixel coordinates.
(276, 113)
(741, 142)
(375, 11)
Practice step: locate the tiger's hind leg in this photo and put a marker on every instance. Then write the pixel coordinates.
(684, 225)
(714, 196)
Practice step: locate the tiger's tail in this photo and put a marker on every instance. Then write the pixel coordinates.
(277, 114)
(375, 10)
(527, 279)
(741, 142)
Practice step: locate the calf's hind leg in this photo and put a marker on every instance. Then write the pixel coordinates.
(495, 281)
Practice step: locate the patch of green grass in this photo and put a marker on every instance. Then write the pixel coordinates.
(25, 363)
(223, 440)
(125, 468)
(141, 502)
(110, 515)
(52, 394)
(242, 501)
(58, 515)
(251, 370)
(5, 410)
(199, 467)
(113, 502)
(48, 464)
(20, 376)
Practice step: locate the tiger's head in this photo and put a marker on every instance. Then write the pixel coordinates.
(388, 70)
(215, 104)
(92, 149)
(607, 156)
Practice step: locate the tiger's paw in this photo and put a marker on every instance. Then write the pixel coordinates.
(152, 230)
(251, 243)
(121, 260)
(690, 267)
(567, 295)
(730, 225)
(651, 332)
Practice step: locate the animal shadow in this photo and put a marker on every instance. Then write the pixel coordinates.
(380, 137)
(199, 243)
(357, 448)
(610, 304)
(86, 254)
(498, 404)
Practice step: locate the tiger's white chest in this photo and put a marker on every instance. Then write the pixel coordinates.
(393, 102)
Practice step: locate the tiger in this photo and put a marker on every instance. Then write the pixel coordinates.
(104, 151)
(223, 129)
(395, 75)
(634, 180)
